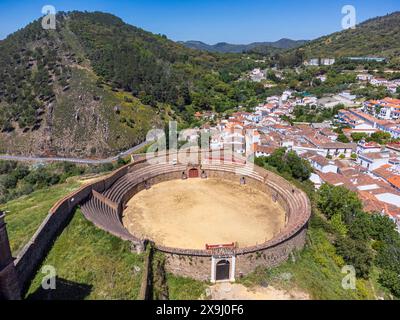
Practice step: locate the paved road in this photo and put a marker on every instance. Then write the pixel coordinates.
(75, 160)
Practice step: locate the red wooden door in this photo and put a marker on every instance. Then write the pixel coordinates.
(193, 173)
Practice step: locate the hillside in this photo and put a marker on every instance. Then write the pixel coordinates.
(375, 37)
(96, 85)
(91, 265)
(53, 102)
(224, 47)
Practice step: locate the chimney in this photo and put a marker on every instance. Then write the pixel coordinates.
(9, 285)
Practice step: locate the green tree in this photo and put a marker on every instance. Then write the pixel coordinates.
(287, 162)
(383, 228)
(389, 257)
(358, 136)
(380, 137)
(343, 138)
(338, 200)
(360, 228)
(7, 166)
(9, 181)
(338, 225)
(21, 171)
(277, 160)
(357, 254)
(391, 280)
(299, 168)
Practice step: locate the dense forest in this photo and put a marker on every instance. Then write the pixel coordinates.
(158, 70)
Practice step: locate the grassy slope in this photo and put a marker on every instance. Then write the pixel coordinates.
(316, 270)
(180, 288)
(96, 265)
(91, 264)
(27, 213)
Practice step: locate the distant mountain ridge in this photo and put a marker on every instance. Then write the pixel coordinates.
(224, 47)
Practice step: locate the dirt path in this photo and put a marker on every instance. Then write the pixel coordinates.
(190, 213)
(228, 291)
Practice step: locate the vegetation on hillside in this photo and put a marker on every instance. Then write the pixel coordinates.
(313, 114)
(182, 288)
(90, 264)
(363, 240)
(376, 37)
(51, 101)
(287, 164)
(25, 214)
(340, 233)
(18, 179)
(96, 76)
(157, 70)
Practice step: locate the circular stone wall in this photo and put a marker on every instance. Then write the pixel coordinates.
(188, 214)
(109, 199)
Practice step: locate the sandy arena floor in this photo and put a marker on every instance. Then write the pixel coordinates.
(188, 214)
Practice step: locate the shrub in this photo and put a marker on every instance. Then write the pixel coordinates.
(338, 225)
(338, 200)
(21, 171)
(357, 254)
(7, 166)
(391, 280)
(9, 181)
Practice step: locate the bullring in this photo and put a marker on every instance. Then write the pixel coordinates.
(104, 203)
(217, 261)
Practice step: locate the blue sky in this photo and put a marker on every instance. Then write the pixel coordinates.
(211, 21)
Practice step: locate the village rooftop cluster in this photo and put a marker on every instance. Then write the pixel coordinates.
(370, 169)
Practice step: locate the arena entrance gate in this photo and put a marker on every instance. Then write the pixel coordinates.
(222, 270)
(223, 262)
(193, 173)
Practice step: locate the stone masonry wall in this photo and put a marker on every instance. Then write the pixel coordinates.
(195, 267)
(199, 267)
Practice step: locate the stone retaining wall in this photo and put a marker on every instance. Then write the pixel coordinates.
(146, 285)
